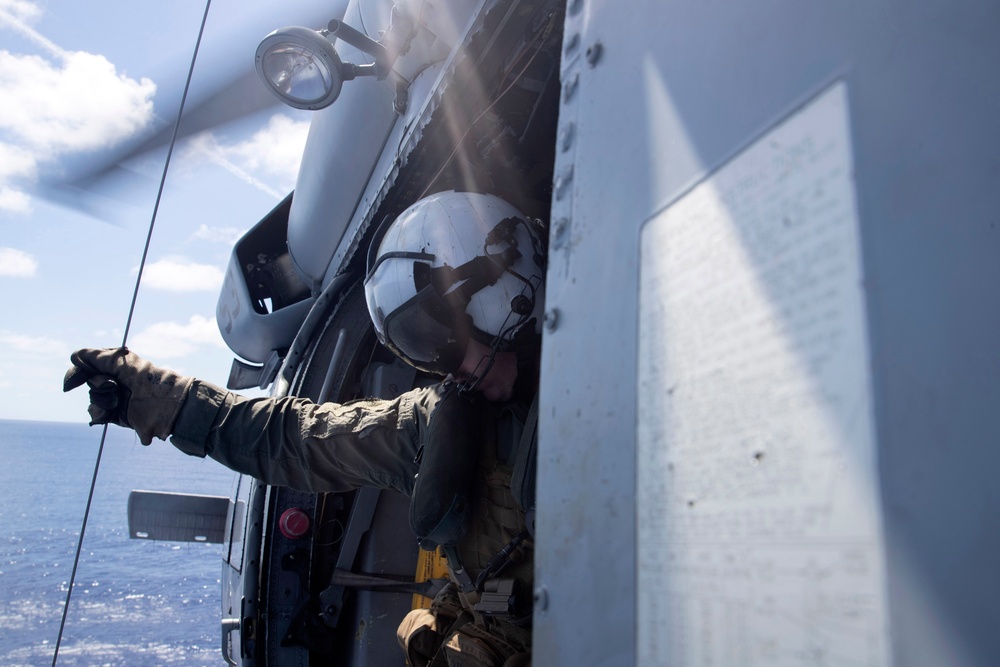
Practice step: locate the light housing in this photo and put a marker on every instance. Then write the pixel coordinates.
(300, 67)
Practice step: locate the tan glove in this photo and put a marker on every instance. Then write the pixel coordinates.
(127, 390)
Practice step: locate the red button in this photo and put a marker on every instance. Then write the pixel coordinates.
(294, 523)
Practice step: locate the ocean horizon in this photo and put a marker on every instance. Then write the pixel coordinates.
(136, 602)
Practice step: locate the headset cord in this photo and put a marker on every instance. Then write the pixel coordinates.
(128, 325)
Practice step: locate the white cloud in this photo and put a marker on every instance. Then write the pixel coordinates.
(170, 340)
(77, 104)
(16, 165)
(14, 200)
(63, 102)
(17, 263)
(16, 161)
(273, 152)
(226, 235)
(36, 346)
(20, 10)
(276, 149)
(177, 274)
(31, 373)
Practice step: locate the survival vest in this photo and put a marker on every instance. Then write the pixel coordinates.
(474, 496)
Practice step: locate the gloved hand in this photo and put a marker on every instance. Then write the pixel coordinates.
(127, 390)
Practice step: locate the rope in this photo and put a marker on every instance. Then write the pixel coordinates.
(128, 326)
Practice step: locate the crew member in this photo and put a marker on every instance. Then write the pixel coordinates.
(454, 288)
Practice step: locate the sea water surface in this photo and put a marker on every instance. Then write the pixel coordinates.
(136, 602)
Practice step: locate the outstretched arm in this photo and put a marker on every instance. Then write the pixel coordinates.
(282, 441)
(297, 443)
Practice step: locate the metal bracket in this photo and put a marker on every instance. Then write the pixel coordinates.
(228, 626)
(497, 598)
(332, 598)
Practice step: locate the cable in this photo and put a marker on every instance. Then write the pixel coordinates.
(458, 144)
(128, 325)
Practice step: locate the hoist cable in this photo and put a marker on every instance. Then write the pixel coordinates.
(128, 326)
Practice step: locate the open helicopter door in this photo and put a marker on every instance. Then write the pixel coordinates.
(770, 373)
(480, 118)
(330, 574)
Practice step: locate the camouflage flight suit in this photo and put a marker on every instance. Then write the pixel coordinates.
(296, 443)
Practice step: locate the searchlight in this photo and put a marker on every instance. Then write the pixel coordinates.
(302, 69)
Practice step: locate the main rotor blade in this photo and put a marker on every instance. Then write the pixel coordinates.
(223, 92)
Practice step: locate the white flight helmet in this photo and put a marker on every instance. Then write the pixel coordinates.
(452, 267)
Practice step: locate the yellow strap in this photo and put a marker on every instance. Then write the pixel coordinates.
(430, 565)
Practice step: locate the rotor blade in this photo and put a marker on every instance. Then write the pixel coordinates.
(244, 96)
(236, 99)
(222, 92)
(116, 195)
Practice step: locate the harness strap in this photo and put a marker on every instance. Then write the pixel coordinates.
(467, 592)
(522, 484)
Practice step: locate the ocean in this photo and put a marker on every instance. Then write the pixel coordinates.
(136, 602)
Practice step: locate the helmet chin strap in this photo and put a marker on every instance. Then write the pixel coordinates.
(498, 344)
(471, 385)
(525, 345)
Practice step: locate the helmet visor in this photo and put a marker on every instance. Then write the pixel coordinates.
(428, 334)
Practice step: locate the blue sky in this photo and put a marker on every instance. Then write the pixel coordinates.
(75, 79)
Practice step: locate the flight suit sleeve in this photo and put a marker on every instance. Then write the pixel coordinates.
(296, 443)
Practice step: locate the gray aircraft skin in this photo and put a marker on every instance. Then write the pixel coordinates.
(770, 378)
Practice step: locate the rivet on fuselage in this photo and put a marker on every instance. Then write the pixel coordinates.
(594, 53)
(551, 319)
